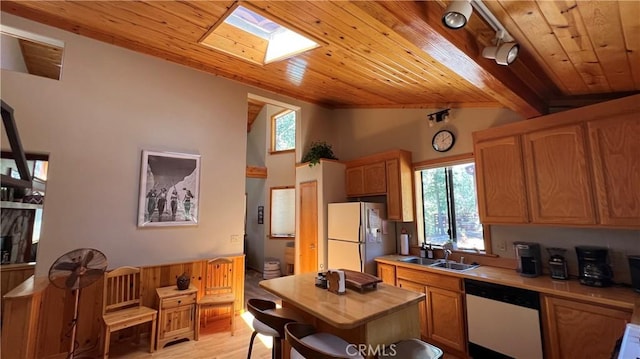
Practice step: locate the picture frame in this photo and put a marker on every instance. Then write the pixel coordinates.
(169, 189)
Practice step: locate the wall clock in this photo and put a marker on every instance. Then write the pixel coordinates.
(443, 140)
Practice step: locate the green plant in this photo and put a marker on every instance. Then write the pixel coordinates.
(318, 150)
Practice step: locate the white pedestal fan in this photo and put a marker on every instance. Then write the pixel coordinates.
(76, 270)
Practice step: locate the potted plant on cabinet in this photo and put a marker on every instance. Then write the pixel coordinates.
(318, 150)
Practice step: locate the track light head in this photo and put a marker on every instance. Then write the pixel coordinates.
(457, 14)
(439, 116)
(503, 53)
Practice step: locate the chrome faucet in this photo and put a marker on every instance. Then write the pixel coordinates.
(447, 252)
(447, 248)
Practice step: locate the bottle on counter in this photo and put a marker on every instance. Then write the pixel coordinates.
(430, 252)
(423, 250)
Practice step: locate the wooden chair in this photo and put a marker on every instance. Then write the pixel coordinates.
(218, 290)
(122, 305)
(307, 343)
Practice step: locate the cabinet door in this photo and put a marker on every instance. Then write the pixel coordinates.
(387, 273)
(445, 318)
(502, 194)
(394, 199)
(177, 321)
(558, 177)
(581, 330)
(355, 181)
(400, 189)
(615, 151)
(375, 178)
(422, 308)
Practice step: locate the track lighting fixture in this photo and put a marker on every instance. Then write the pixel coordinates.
(504, 53)
(439, 116)
(457, 15)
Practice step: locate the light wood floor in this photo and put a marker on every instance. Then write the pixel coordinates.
(215, 340)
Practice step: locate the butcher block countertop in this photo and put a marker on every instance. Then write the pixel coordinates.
(624, 298)
(343, 311)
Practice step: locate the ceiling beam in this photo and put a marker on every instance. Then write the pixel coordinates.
(458, 50)
(16, 151)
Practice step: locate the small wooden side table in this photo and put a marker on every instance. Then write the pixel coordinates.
(176, 314)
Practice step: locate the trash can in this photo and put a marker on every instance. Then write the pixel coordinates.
(271, 269)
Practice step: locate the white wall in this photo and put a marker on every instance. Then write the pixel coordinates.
(110, 104)
(11, 55)
(619, 242)
(367, 131)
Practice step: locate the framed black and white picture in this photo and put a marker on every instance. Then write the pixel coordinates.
(169, 189)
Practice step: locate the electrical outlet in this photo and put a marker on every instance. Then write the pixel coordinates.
(502, 245)
(235, 238)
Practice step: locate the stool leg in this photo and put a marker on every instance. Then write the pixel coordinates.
(253, 336)
(277, 348)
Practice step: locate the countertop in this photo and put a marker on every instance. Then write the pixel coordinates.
(621, 297)
(344, 311)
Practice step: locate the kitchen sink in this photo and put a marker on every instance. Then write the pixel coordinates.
(454, 266)
(423, 261)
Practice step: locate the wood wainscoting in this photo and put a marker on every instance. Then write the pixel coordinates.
(56, 306)
(12, 275)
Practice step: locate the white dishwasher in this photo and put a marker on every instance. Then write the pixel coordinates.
(502, 321)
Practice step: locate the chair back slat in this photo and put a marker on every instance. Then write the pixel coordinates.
(219, 276)
(122, 289)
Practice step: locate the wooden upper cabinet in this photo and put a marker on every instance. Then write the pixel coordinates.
(400, 188)
(500, 177)
(558, 180)
(375, 178)
(388, 173)
(355, 181)
(366, 180)
(615, 152)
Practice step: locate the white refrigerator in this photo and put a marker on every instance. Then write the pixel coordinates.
(356, 235)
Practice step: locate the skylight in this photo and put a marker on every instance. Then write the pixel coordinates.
(246, 34)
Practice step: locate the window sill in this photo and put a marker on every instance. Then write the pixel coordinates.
(474, 252)
(282, 237)
(293, 150)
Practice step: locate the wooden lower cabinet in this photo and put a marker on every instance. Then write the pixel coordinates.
(176, 314)
(445, 318)
(581, 330)
(442, 315)
(387, 273)
(422, 308)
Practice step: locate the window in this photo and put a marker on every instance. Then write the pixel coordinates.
(449, 206)
(283, 131)
(283, 212)
(249, 35)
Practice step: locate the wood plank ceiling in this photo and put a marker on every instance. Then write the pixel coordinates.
(389, 53)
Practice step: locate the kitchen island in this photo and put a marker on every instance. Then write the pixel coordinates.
(375, 317)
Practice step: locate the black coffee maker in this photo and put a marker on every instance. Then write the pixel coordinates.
(593, 266)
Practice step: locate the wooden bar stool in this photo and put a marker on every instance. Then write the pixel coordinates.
(270, 321)
(307, 343)
(413, 348)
